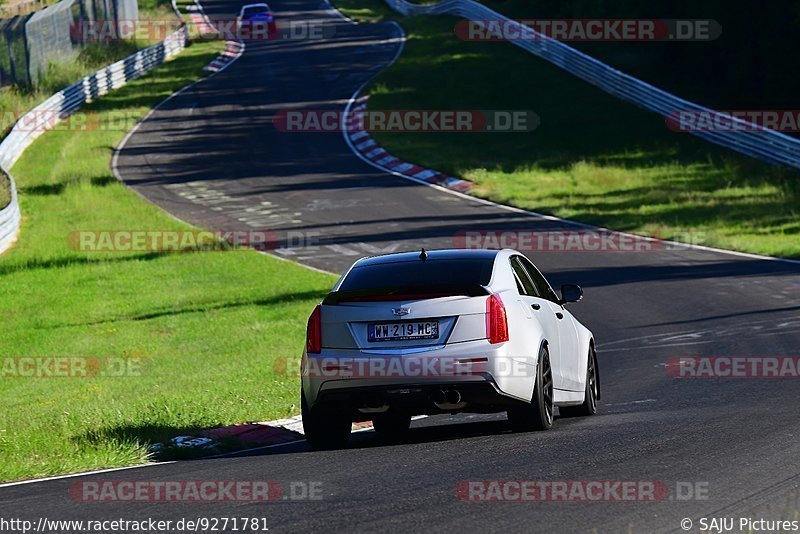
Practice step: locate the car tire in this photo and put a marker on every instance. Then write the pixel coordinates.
(589, 406)
(325, 430)
(538, 415)
(391, 426)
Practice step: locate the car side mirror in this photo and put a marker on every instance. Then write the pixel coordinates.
(570, 293)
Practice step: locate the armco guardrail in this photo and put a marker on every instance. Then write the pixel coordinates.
(748, 138)
(47, 34)
(9, 219)
(59, 106)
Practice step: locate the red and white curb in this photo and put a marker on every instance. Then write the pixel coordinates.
(244, 436)
(199, 20)
(365, 145)
(233, 51)
(249, 435)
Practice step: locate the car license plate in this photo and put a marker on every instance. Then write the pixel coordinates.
(402, 331)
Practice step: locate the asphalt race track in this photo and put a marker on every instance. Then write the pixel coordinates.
(211, 156)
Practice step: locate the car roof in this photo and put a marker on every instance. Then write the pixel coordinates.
(255, 5)
(433, 255)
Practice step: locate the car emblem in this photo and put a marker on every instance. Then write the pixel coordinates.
(401, 311)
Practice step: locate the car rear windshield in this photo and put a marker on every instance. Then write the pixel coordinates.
(411, 274)
(255, 10)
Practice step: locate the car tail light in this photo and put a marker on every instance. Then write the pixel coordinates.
(314, 332)
(496, 320)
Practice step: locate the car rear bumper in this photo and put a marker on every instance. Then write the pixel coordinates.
(366, 383)
(364, 403)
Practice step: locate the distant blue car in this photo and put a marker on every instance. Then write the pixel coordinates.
(256, 22)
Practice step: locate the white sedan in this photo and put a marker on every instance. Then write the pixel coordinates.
(444, 331)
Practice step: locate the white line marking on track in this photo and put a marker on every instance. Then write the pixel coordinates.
(85, 473)
(644, 401)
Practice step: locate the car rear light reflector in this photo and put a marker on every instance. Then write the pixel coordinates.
(496, 320)
(314, 332)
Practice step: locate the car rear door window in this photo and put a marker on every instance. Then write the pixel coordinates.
(255, 10)
(539, 280)
(528, 288)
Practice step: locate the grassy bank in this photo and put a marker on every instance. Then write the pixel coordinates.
(5, 190)
(593, 158)
(207, 326)
(89, 58)
(15, 101)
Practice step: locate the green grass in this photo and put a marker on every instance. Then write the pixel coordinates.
(366, 11)
(15, 101)
(593, 158)
(5, 190)
(208, 326)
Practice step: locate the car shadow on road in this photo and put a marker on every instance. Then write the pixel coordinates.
(368, 439)
(425, 431)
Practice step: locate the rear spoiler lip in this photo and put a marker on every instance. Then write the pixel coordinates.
(404, 293)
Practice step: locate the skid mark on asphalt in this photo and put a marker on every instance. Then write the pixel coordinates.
(631, 403)
(322, 204)
(355, 249)
(267, 215)
(772, 327)
(199, 193)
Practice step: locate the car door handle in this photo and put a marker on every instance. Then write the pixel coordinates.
(536, 306)
(559, 315)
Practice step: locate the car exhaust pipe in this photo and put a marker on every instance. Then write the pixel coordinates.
(448, 399)
(374, 409)
(452, 396)
(373, 405)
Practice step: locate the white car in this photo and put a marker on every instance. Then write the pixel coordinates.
(444, 331)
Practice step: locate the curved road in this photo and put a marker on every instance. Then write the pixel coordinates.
(211, 156)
